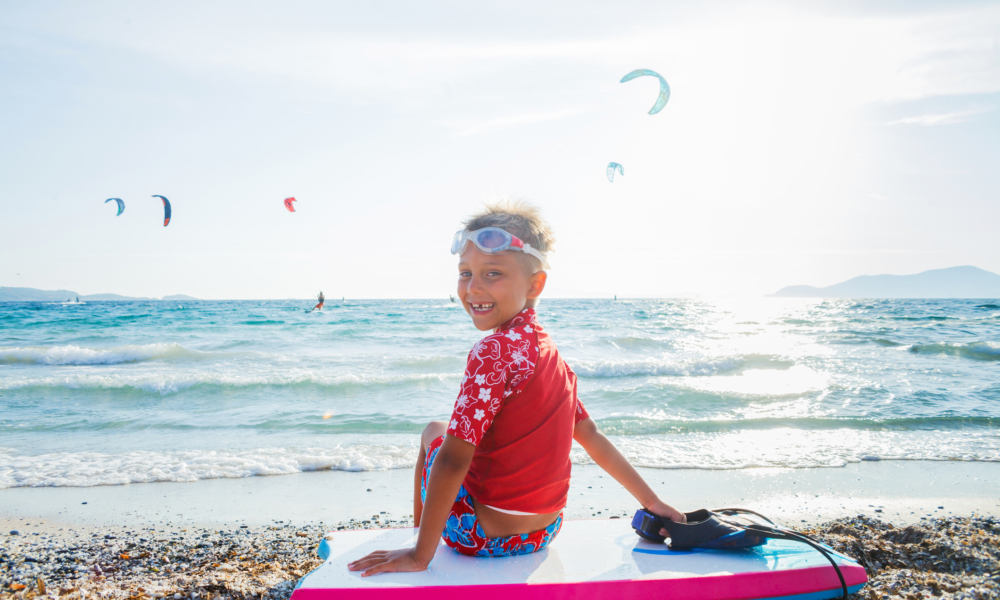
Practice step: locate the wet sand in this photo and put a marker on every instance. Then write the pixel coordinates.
(899, 492)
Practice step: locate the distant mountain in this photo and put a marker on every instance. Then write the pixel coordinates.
(953, 282)
(14, 294)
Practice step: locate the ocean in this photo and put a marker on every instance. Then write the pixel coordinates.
(107, 393)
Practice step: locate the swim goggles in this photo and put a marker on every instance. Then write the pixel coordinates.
(492, 240)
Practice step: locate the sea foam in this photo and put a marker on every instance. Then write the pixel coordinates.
(178, 381)
(84, 469)
(652, 366)
(781, 447)
(77, 355)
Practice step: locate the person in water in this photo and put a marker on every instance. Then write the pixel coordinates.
(321, 299)
(493, 480)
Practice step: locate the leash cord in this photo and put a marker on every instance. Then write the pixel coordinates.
(786, 534)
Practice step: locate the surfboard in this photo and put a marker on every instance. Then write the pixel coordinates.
(593, 559)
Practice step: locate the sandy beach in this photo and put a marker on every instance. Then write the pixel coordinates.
(919, 527)
(954, 557)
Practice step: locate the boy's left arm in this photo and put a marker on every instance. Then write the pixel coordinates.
(450, 467)
(604, 453)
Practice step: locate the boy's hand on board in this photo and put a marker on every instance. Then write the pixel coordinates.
(666, 511)
(388, 561)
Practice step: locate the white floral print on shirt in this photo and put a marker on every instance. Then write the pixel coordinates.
(499, 365)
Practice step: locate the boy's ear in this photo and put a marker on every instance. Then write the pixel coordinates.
(537, 281)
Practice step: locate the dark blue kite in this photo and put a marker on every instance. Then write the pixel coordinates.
(166, 209)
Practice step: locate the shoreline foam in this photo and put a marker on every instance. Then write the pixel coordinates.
(144, 459)
(899, 492)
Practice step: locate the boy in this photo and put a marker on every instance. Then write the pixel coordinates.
(493, 480)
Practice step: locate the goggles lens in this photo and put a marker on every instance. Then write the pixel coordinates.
(491, 239)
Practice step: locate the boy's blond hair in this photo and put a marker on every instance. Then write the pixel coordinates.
(521, 219)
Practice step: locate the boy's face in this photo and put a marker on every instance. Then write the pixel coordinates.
(495, 287)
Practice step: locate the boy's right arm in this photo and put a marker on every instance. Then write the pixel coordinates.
(443, 482)
(611, 460)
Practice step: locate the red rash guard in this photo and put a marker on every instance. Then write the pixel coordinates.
(518, 406)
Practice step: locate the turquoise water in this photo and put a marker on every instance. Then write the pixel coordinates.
(113, 393)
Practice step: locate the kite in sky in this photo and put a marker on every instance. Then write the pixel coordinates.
(166, 209)
(611, 171)
(288, 204)
(121, 204)
(661, 100)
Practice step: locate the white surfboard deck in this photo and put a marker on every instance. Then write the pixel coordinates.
(590, 559)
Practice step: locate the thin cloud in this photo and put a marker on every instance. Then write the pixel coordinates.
(930, 120)
(491, 125)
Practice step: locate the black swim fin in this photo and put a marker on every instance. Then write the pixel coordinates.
(704, 529)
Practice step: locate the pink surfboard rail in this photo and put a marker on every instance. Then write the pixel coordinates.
(813, 583)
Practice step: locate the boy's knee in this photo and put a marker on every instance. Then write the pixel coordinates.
(433, 431)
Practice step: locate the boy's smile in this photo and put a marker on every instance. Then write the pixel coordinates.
(495, 287)
(482, 308)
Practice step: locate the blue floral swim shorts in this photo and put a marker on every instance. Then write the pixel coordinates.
(463, 534)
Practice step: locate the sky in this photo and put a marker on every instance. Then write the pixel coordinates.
(803, 143)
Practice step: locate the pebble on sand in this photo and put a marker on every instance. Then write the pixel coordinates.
(950, 558)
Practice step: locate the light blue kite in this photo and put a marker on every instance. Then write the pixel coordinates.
(661, 100)
(121, 204)
(611, 171)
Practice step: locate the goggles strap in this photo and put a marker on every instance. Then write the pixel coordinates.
(527, 249)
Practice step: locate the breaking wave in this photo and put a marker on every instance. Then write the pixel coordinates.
(76, 355)
(85, 469)
(652, 366)
(171, 383)
(782, 447)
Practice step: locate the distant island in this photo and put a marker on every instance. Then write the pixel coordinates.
(19, 294)
(953, 282)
